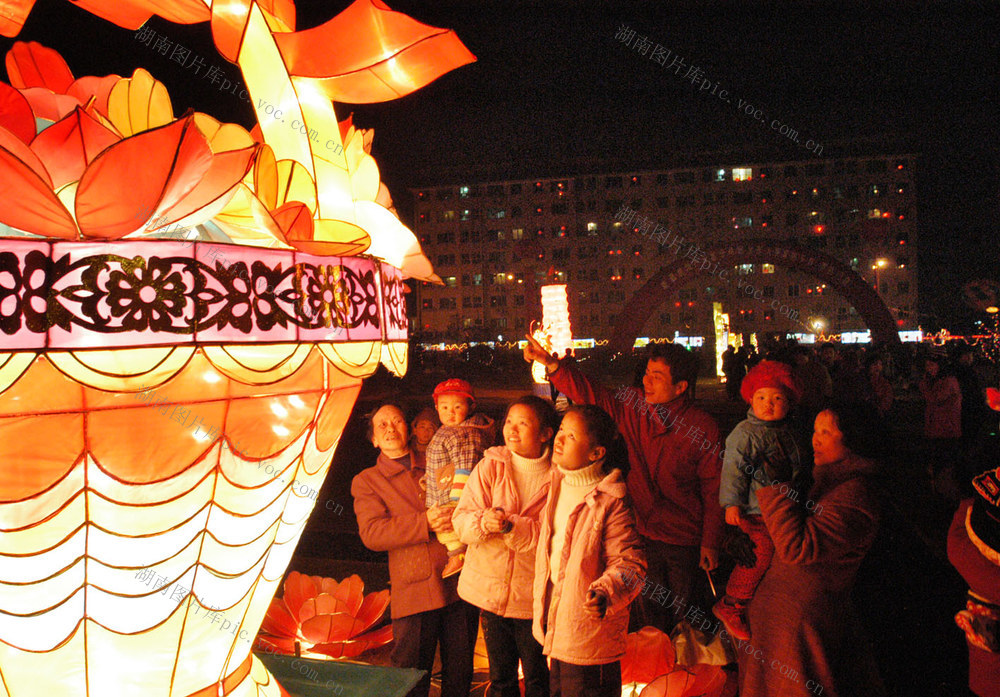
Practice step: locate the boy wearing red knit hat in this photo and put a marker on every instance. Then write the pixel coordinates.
(766, 436)
(452, 453)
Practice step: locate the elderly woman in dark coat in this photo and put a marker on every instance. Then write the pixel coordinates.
(805, 636)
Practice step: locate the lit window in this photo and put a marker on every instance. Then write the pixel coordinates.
(874, 213)
(742, 221)
(767, 268)
(744, 269)
(517, 233)
(742, 174)
(463, 191)
(591, 227)
(720, 175)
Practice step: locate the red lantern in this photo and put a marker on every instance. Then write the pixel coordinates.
(694, 681)
(649, 653)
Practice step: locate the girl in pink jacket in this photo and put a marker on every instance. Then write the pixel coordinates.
(590, 562)
(497, 517)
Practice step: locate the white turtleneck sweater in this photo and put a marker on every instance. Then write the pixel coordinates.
(575, 486)
(529, 475)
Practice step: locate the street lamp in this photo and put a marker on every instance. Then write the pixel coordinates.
(876, 267)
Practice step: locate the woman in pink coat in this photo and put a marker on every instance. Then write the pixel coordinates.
(974, 549)
(590, 562)
(497, 517)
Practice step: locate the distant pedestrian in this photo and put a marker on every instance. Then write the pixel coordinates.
(734, 369)
(942, 421)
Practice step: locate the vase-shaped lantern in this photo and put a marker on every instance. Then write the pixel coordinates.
(187, 312)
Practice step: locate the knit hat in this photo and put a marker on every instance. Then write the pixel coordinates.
(454, 386)
(771, 374)
(983, 521)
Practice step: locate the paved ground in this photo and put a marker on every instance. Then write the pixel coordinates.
(906, 592)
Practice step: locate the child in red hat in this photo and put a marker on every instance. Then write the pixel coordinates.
(452, 453)
(766, 436)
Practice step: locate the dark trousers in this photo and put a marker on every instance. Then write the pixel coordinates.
(507, 640)
(570, 680)
(672, 584)
(453, 629)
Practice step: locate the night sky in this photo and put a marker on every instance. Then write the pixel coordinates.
(554, 93)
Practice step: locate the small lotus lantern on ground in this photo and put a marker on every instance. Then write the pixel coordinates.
(319, 617)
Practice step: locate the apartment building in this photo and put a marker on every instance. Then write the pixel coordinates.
(495, 243)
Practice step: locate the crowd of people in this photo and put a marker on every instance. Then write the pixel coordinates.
(549, 537)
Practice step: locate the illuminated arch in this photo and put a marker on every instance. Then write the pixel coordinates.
(722, 256)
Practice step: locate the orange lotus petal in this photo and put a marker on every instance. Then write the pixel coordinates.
(96, 88)
(298, 588)
(351, 592)
(229, 20)
(278, 621)
(132, 14)
(15, 113)
(157, 168)
(15, 12)
(68, 146)
(355, 647)
(29, 64)
(295, 220)
(381, 54)
(27, 201)
(46, 104)
(223, 175)
(373, 608)
(327, 628)
(333, 238)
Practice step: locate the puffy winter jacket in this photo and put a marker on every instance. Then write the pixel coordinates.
(751, 443)
(499, 569)
(674, 453)
(603, 551)
(391, 518)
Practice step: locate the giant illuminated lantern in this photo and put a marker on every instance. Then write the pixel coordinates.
(168, 406)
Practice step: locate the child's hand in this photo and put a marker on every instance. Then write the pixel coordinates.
(596, 604)
(494, 520)
(733, 515)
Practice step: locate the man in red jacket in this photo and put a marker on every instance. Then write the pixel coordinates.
(676, 460)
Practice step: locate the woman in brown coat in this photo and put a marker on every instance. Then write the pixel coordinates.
(805, 637)
(427, 613)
